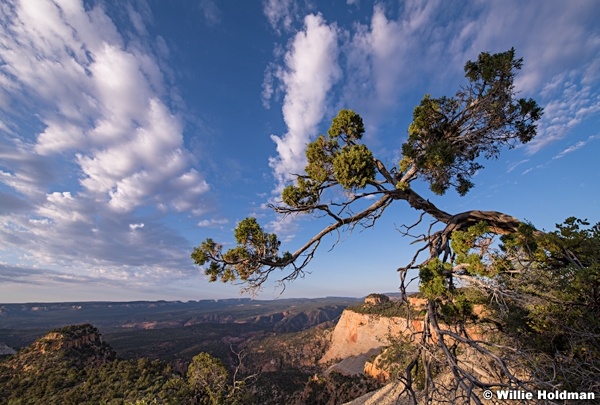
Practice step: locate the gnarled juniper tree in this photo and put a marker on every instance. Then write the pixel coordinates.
(448, 140)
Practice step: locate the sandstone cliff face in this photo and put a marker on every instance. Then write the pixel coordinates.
(357, 334)
(364, 331)
(373, 370)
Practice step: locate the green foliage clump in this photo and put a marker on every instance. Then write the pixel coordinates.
(448, 134)
(398, 355)
(320, 159)
(434, 279)
(386, 309)
(348, 126)
(543, 290)
(436, 284)
(305, 194)
(457, 310)
(255, 247)
(353, 167)
(557, 277)
(350, 165)
(471, 255)
(463, 243)
(208, 378)
(210, 384)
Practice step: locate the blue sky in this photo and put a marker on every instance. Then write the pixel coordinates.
(132, 131)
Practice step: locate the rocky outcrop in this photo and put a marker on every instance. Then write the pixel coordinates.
(77, 344)
(360, 341)
(67, 338)
(373, 370)
(358, 338)
(366, 331)
(362, 333)
(376, 299)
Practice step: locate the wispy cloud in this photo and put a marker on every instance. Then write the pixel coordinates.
(387, 58)
(570, 102)
(208, 223)
(11, 274)
(210, 12)
(284, 227)
(576, 147)
(513, 166)
(102, 146)
(571, 149)
(282, 14)
(309, 72)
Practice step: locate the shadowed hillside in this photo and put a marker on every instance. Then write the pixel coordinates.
(72, 365)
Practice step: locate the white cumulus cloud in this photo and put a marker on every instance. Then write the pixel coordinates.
(92, 141)
(311, 69)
